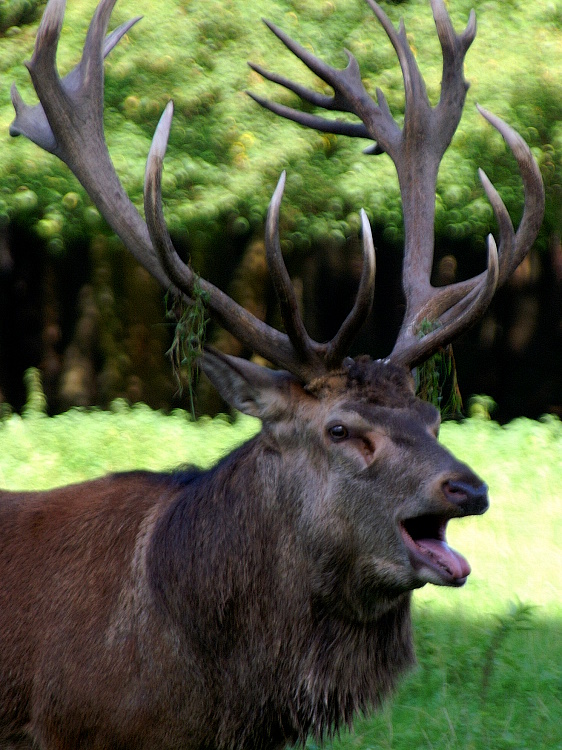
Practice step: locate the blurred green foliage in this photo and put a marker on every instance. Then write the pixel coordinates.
(226, 153)
(38, 452)
(15, 12)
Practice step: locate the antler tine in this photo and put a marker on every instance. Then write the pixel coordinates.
(284, 289)
(333, 353)
(336, 127)
(454, 48)
(412, 348)
(287, 351)
(513, 245)
(339, 345)
(306, 94)
(180, 274)
(414, 86)
(520, 241)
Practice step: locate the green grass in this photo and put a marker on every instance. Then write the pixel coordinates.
(38, 452)
(490, 654)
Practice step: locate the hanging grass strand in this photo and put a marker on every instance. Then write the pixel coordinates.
(189, 338)
(436, 379)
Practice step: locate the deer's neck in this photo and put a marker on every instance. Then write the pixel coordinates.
(230, 567)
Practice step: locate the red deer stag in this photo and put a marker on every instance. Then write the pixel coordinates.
(267, 598)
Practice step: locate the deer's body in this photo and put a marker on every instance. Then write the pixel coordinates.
(109, 653)
(268, 598)
(107, 650)
(244, 606)
(74, 620)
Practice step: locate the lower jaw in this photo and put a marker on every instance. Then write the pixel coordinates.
(437, 576)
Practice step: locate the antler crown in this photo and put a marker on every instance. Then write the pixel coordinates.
(68, 122)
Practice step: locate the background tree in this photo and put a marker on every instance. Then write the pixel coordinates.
(72, 302)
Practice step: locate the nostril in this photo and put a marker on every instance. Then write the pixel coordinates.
(472, 499)
(455, 492)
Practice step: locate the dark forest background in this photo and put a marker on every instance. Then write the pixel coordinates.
(74, 303)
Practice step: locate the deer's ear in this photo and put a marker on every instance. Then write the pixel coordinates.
(250, 388)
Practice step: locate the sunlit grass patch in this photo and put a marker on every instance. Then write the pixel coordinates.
(39, 452)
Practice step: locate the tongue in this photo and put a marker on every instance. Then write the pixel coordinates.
(446, 557)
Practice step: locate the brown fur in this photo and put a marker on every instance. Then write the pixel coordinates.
(245, 606)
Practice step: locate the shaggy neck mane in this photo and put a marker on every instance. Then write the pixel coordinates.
(225, 565)
(353, 667)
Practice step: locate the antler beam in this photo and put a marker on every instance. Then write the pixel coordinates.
(417, 150)
(68, 122)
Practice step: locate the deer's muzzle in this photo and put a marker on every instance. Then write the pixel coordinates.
(425, 536)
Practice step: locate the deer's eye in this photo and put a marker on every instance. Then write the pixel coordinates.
(338, 432)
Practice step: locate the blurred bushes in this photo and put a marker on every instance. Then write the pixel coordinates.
(225, 152)
(16, 12)
(225, 156)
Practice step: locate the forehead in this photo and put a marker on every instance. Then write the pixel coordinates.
(380, 391)
(376, 381)
(399, 417)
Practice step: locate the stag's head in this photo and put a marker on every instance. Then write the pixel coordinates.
(383, 489)
(361, 462)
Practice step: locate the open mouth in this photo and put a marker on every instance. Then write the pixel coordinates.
(429, 553)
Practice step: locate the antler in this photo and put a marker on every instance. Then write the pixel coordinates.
(295, 350)
(68, 122)
(417, 150)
